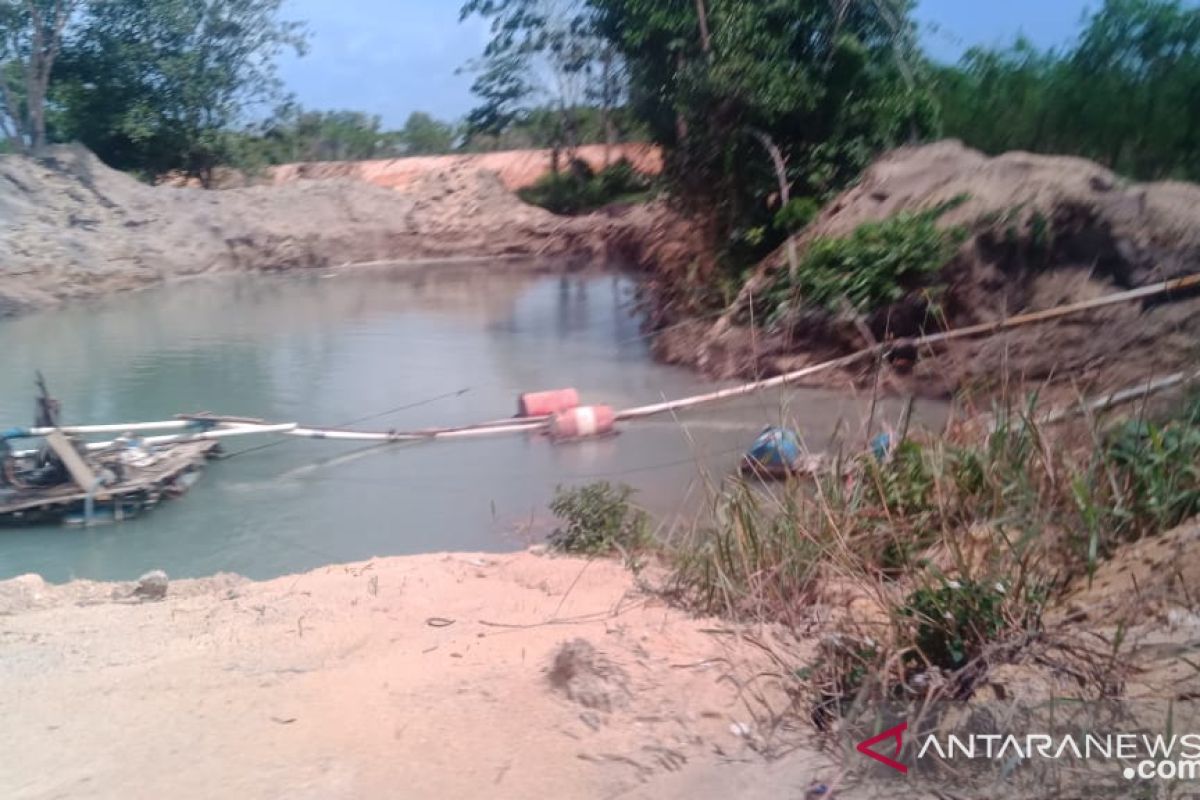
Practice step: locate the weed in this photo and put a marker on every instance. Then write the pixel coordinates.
(879, 263)
(954, 620)
(597, 519)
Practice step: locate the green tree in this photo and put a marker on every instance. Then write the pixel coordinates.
(1126, 94)
(741, 92)
(424, 135)
(543, 54)
(157, 85)
(31, 38)
(294, 134)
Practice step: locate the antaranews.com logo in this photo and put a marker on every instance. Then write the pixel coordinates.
(1140, 756)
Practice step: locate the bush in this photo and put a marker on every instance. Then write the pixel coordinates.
(578, 189)
(597, 519)
(954, 621)
(1158, 470)
(879, 263)
(795, 216)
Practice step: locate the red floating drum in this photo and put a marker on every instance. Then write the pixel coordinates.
(544, 404)
(583, 422)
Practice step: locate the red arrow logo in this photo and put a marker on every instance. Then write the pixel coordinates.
(896, 733)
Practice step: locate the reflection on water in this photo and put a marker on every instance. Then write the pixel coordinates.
(328, 349)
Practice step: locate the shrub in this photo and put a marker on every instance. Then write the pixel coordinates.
(796, 214)
(597, 519)
(578, 189)
(1158, 471)
(879, 263)
(954, 620)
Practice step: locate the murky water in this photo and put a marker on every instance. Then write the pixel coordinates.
(328, 349)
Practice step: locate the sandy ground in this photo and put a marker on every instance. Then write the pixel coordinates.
(515, 168)
(427, 676)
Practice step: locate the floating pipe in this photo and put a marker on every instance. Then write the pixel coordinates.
(84, 430)
(216, 433)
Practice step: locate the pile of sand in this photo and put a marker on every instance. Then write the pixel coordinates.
(1043, 231)
(515, 168)
(70, 227)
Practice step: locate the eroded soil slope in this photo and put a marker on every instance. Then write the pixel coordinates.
(70, 227)
(1041, 231)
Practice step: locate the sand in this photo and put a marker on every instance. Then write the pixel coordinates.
(425, 676)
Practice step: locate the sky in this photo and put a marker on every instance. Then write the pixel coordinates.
(392, 57)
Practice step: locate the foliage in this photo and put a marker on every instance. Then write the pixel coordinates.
(961, 540)
(597, 518)
(544, 63)
(424, 135)
(160, 85)
(877, 264)
(295, 134)
(796, 214)
(1127, 94)
(954, 621)
(833, 84)
(578, 190)
(31, 39)
(1157, 470)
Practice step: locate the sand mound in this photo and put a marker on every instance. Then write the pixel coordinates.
(1043, 231)
(515, 169)
(71, 227)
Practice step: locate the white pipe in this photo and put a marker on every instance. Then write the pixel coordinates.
(84, 430)
(451, 433)
(215, 433)
(222, 433)
(1163, 287)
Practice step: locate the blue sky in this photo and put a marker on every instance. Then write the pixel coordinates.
(391, 57)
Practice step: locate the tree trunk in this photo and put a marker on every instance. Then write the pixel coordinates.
(785, 190)
(705, 39)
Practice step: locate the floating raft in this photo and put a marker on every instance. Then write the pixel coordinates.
(157, 474)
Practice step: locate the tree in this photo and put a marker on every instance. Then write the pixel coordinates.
(158, 85)
(828, 84)
(1126, 94)
(294, 134)
(424, 135)
(31, 37)
(542, 54)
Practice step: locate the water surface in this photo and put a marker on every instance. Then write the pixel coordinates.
(331, 349)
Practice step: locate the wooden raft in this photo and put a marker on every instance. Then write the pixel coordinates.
(170, 465)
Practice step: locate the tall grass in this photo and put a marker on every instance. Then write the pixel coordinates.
(957, 542)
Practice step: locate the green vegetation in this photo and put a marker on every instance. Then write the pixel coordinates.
(166, 84)
(579, 189)
(1127, 94)
(597, 519)
(1155, 468)
(877, 264)
(961, 542)
(953, 622)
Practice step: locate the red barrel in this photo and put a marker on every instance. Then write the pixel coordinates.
(582, 422)
(544, 404)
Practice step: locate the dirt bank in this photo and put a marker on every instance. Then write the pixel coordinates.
(1042, 231)
(71, 228)
(428, 676)
(516, 169)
